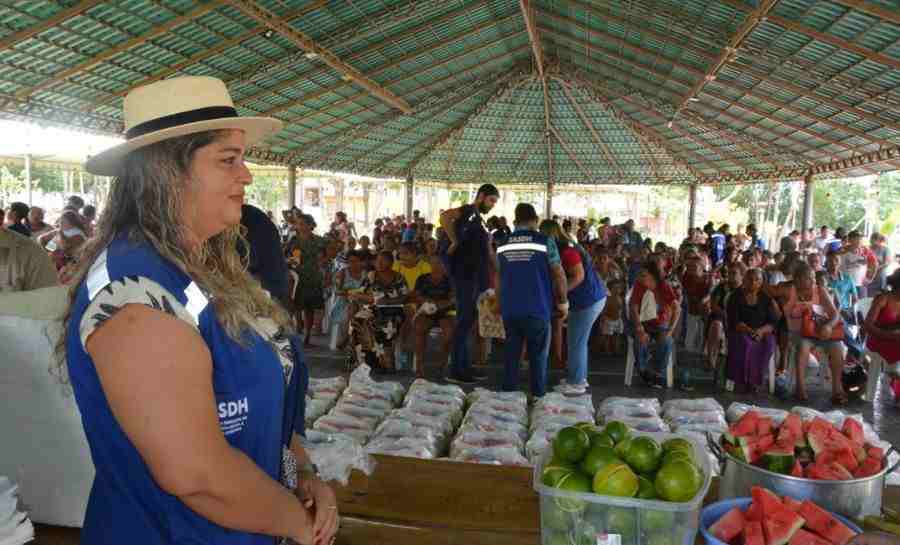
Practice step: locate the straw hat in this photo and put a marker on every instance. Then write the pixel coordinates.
(176, 107)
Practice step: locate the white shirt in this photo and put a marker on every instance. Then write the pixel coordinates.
(854, 264)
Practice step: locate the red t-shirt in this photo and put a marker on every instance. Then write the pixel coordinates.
(569, 257)
(665, 299)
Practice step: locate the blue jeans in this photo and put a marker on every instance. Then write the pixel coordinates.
(467, 290)
(581, 322)
(656, 351)
(535, 334)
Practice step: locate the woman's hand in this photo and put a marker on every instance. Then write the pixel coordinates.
(319, 497)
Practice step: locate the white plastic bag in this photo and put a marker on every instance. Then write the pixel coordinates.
(410, 447)
(705, 404)
(359, 430)
(336, 455)
(652, 424)
(471, 439)
(556, 398)
(676, 417)
(737, 409)
(495, 456)
(489, 423)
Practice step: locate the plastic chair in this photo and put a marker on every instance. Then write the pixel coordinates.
(876, 367)
(631, 360)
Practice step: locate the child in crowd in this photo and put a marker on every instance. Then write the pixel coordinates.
(611, 324)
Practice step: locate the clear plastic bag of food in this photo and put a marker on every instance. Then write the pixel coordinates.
(495, 456)
(439, 422)
(467, 439)
(447, 400)
(575, 410)
(511, 410)
(652, 424)
(700, 428)
(315, 409)
(619, 413)
(336, 455)
(706, 404)
(737, 409)
(552, 421)
(422, 385)
(490, 423)
(411, 447)
(360, 430)
(361, 382)
(326, 387)
(367, 402)
(557, 399)
(372, 416)
(480, 394)
(437, 410)
(676, 417)
(650, 403)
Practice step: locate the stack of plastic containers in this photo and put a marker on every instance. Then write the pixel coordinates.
(363, 406)
(423, 427)
(494, 430)
(637, 414)
(321, 396)
(550, 414)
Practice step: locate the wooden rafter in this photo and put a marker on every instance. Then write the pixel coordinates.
(734, 43)
(874, 10)
(699, 73)
(105, 55)
(572, 156)
(415, 92)
(604, 149)
(706, 54)
(205, 54)
(829, 167)
(752, 148)
(52, 21)
(393, 64)
(262, 15)
(633, 75)
(533, 37)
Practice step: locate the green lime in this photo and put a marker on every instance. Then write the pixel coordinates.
(571, 444)
(677, 443)
(671, 456)
(646, 490)
(573, 482)
(621, 520)
(616, 480)
(587, 427)
(657, 521)
(597, 458)
(555, 518)
(617, 430)
(622, 447)
(552, 474)
(602, 440)
(644, 454)
(678, 481)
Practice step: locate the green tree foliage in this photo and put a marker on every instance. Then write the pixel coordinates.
(268, 192)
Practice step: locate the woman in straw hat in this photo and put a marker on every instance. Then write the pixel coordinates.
(187, 374)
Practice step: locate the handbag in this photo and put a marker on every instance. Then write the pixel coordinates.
(811, 323)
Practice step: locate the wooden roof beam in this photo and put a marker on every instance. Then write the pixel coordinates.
(630, 75)
(393, 64)
(872, 9)
(572, 156)
(834, 41)
(54, 20)
(607, 154)
(205, 54)
(711, 57)
(666, 78)
(105, 55)
(734, 43)
(885, 155)
(533, 36)
(252, 9)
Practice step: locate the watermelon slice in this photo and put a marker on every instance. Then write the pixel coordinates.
(729, 526)
(765, 442)
(817, 435)
(768, 502)
(875, 452)
(870, 466)
(781, 526)
(823, 523)
(754, 512)
(765, 426)
(750, 448)
(753, 534)
(802, 537)
(792, 504)
(831, 471)
(797, 470)
(779, 459)
(853, 430)
(746, 425)
(846, 459)
(791, 430)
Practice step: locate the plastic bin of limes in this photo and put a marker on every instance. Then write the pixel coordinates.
(613, 484)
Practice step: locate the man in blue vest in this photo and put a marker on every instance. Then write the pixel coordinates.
(717, 245)
(532, 289)
(465, 248)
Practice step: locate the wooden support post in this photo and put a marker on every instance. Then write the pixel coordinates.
(548, 201)
(366, 193)
(302, 192)
(292, 186)
(807, 203)
(28, 176)
(339, 194)
(410, 190)
(692, 206)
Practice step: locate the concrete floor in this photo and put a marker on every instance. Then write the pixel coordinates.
(607, 378)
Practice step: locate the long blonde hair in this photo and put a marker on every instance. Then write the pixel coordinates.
(146, 204)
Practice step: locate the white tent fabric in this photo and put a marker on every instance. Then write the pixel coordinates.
(43, 448)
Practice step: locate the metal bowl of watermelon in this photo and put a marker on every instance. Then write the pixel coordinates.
(840, 492)
(722, 514)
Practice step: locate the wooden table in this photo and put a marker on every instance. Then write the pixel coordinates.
(432, 502)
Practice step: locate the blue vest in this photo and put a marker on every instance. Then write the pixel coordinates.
(256, 403)
(591, 289)
(717, 243)
(526, 289)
